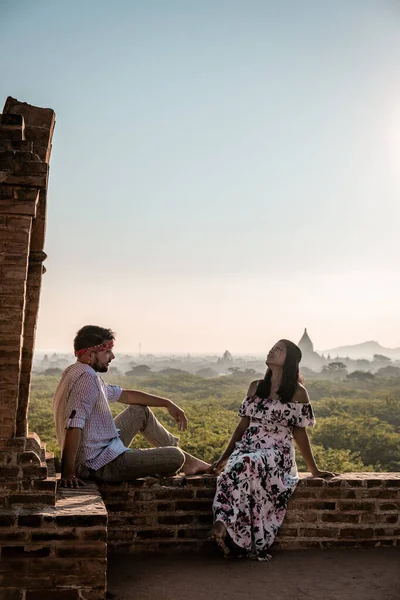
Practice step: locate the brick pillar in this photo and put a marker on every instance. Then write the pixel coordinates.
(39, 127)
(25, 145)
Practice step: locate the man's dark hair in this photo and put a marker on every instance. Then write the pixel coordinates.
(92, 335)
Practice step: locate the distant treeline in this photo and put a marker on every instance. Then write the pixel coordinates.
(358, 419)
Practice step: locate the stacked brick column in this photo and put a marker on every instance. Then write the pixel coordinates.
(25, 144)
(48, 549)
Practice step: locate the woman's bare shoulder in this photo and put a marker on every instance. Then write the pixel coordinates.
(301, 395)
(253, 387)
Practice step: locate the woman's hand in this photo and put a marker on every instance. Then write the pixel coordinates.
(178, 415)
(319, 473)
(217, 467)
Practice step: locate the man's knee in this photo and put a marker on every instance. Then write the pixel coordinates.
(139, 412)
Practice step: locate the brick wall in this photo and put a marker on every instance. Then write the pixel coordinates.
(175, 514)
(56, 553)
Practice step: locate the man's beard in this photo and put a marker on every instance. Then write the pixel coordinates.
(100, 367)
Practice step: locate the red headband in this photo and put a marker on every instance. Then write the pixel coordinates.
(100, 348)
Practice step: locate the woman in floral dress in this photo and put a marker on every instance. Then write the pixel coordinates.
(258, 472)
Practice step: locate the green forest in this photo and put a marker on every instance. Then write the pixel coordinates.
(358, 422)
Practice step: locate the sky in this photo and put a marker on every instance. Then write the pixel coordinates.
(223, 174)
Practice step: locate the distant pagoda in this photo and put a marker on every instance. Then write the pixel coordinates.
(311, 358)
(305, 344)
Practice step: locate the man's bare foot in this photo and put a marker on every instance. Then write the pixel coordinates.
(193, 465)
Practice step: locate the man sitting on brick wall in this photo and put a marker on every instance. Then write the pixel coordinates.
(96, 446)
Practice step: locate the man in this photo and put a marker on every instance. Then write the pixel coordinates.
(96, 446)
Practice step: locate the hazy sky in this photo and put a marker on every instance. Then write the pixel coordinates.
(223, 172)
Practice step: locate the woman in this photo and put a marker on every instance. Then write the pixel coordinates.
(259, 469)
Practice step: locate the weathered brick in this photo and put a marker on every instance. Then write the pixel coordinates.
(382, 494)
(7, 133)
(353, 532)
(81, 550)
(94, 595)
(52, 595)
(207, 493)
(317, 482)
(87, 520)
(201, 481)
(135, 521)
(90, 573)
(356, 506)
(11, 594)
(9, 472)
(389, 506)
(23, 552)
(197, 534)
(34, 472)
(156, 533)
(19, 222)
(161, 507)
(288, 532)
(53, 536)
(171, 493)
(29, 520)
(179, 546)
(32, 499)
(323, 532)
(302, 517)
(313, 505)
(94, 535)
(175, 519)
(8, 537)
(16, 578)
(392, 483)
(381, 518)
(122, 507)
(195, 505)
(7, 520)
(355, 483)
(307, 493)
(375, 483)
(339, 518)
(387, 531)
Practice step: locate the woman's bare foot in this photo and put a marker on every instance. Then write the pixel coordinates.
(220, 535)
(219, 530)
(193, 465)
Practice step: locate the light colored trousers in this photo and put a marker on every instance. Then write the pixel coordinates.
(164, 459)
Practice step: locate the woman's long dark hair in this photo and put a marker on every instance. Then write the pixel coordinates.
(290, 375)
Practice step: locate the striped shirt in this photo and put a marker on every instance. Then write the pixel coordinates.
(82, 400)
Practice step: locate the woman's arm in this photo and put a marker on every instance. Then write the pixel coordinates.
(219, 464)
(302, 440)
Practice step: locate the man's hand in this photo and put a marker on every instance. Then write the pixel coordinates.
(178, 415)
(70, 481)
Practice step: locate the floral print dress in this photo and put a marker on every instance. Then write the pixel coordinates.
(261, 474)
